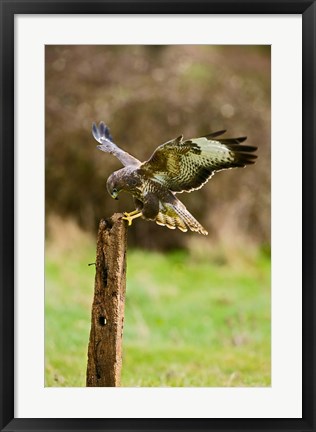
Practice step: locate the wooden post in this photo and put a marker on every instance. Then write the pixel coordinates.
(107, 318)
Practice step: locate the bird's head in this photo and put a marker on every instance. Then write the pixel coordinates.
(113, 185)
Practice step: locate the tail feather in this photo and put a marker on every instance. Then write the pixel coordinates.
(177, 216)
(188, 219)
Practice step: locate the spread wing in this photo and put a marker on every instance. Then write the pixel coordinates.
(102, 134)
(187, 165)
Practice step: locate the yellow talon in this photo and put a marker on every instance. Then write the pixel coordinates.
(131, 213)
(130, 216)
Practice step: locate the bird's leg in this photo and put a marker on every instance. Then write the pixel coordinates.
(130, 216)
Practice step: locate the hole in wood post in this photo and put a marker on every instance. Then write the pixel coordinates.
(102, 320)
(108, 223)
(105, 276)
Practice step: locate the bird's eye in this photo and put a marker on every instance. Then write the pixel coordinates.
(114, 190)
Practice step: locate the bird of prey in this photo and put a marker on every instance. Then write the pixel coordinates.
(175, 166)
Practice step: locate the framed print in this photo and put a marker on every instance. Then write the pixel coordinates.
(217, 323)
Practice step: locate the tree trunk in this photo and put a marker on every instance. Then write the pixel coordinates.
(107, 318)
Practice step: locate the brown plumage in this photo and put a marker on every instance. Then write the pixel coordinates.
(174, 167)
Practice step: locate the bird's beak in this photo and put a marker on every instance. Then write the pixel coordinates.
(115, 196)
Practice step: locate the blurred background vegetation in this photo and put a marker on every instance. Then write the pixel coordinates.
(198, 308)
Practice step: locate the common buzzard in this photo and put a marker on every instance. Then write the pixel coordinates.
(174, 167)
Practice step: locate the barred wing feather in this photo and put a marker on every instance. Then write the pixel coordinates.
(187, 165)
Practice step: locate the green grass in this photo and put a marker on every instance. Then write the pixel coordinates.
(188, 321)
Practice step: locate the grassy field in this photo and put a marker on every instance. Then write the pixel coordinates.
(189, 321)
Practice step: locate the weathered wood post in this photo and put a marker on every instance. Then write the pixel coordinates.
(107, 317)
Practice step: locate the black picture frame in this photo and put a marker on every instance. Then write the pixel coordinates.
(8, 9)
